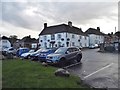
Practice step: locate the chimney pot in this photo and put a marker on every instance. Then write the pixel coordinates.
(70, 23)
(45, 25)
(98, 28)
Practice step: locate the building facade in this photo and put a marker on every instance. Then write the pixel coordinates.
(62, 35)
(4, 43)
(95, 36)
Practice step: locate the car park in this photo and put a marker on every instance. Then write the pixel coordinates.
(26, 55)
(65, 54)
(43, 54)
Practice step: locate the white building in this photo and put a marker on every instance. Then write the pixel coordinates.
(4, 43)
(95, 36)
(62, 35)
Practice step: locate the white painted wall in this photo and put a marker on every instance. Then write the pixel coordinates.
(95, 39)
(5, 44)
(83, 41)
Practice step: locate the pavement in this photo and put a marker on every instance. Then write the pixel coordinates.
(100, 70)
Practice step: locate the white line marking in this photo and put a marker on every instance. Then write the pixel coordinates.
(98, 71)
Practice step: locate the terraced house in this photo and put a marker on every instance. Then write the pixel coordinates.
(62, 35)
(95, 36)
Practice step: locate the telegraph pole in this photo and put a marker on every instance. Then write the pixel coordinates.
(115, 29)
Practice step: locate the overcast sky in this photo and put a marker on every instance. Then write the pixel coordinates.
(28, 18)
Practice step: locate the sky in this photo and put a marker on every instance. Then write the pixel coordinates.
(28, 17)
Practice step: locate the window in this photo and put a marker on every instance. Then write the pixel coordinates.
(96, 37)
(73, 43)
(49, 45)
(59, 44)
(73, 36)
(81, 44)
(95, 41)
(52, 37)
(85, 45)
(45, 38)
(70, 50)
(85, 37)
(75, 49)
(4, 41)
(45, 44)
(80, 37)
(59, 36)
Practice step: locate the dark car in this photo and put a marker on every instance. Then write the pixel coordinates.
(43, 54)
(65, 54)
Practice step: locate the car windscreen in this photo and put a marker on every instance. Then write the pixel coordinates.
(61, 50)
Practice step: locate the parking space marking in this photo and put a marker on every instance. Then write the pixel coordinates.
(98, 71)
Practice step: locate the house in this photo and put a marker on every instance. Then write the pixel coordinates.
(4, 43)
(26, 42)
(62, 35)
(112, 42)
(95, 36)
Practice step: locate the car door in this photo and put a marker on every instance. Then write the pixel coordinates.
(68, 54)
(74, 53)
(71, 55)
(75, 50)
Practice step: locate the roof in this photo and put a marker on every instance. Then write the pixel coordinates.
(62, 28)
(94, 31)
(29, 39)
(4, 37)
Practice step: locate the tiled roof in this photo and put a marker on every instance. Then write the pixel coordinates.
(94, 31)
(62, 28)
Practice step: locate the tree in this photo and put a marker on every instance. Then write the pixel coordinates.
(13, 39)
(118, 34)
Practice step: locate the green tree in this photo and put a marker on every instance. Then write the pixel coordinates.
(13, 39)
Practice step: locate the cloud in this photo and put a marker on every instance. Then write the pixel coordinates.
(32, 15)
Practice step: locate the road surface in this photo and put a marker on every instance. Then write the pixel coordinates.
(98, 69)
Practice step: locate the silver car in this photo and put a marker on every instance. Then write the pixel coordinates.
(64, 55)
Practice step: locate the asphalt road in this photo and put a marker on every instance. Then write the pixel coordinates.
(99, 70)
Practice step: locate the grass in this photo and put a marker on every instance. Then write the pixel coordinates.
(29, 74)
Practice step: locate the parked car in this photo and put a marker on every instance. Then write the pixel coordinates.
(34, 56)
(11, 50)
(43, 54)
(20, 51)
(26, 55)
(93, 46)
(63, 55)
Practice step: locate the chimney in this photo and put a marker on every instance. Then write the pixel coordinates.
(29, 36)
(98, 28)
(45, 25)
(70, 23)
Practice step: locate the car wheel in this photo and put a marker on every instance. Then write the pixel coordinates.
(62, 62)
(79, 57)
